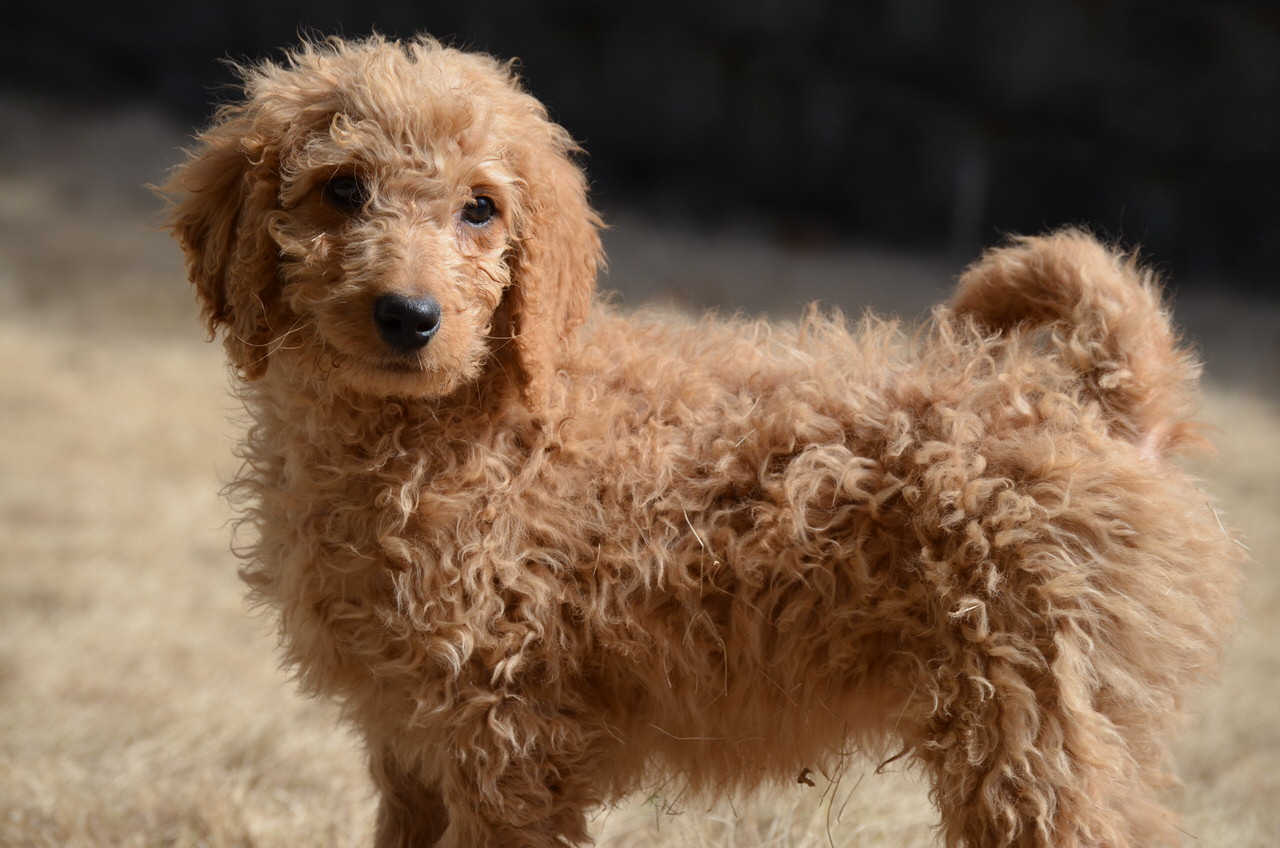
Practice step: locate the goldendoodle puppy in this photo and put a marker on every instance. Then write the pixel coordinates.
(545, 554)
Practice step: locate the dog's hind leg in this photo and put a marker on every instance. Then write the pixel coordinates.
(1026, 747)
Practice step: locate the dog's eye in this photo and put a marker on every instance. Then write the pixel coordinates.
(347, 192)
(479, 211)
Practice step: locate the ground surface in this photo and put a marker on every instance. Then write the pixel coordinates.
(139, 699)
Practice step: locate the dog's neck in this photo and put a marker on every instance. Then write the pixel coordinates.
(296, 412)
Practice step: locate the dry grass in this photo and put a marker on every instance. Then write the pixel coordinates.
(139, 701)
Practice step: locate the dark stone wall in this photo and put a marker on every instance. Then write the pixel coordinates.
(917, 122)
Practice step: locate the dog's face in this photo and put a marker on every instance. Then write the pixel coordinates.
(396, 242)
(389, 216)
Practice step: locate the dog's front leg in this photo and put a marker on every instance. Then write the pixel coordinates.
(410, 813)
(519, 775)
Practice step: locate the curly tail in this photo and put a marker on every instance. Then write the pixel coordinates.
(1108, 323)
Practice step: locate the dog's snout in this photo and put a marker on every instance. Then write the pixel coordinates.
(406, 323)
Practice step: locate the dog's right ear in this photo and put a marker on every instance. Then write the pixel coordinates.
(221, 198)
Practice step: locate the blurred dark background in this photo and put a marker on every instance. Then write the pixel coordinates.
(923, 124)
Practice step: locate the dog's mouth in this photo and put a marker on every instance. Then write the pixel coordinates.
(398, 364)
(386, 374)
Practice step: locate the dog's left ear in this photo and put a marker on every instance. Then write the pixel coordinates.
(557, 256)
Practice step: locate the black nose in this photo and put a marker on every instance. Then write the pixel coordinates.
(406, 323)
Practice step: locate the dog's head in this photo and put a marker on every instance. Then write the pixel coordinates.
(390, 214)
